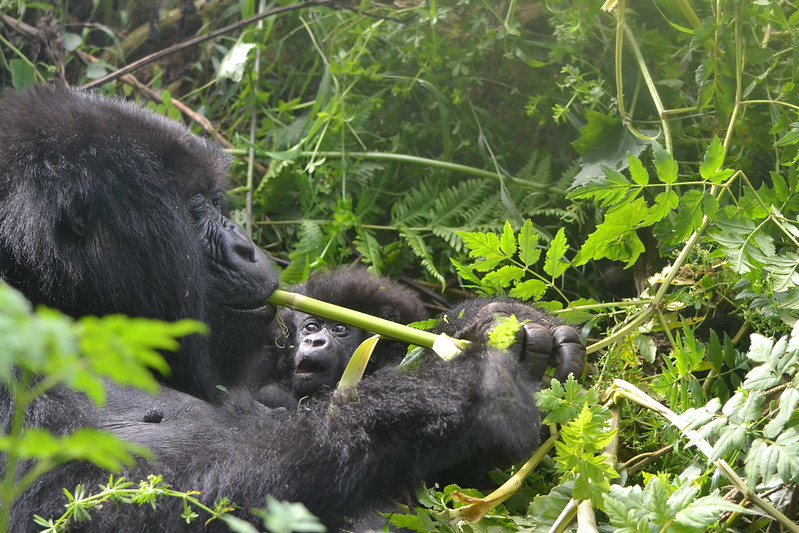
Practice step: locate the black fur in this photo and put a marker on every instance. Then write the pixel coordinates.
(107, 208)
(310, 361)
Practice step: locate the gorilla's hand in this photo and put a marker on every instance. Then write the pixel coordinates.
(541, 342)
(505, 422)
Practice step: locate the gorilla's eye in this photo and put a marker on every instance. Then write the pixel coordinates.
(312, 326)
(197, 204)
(340, 329)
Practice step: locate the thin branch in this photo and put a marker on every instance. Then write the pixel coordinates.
(202, 38)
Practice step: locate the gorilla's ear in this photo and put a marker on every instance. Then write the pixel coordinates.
(77, 218)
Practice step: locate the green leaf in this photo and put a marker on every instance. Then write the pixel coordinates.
(637, 171)
(528, 244)
(688, 217)
(615, 238)
(22, 74)
(555, 264)
(610, 190)
(665, 203)
(732, 438)
(604, 142)
(368, 246)
(507, 243)
(706, 511)
(503, 334)
(665, 165)
(531, 289)
(710, 167)
(481, 244)
(504, 276)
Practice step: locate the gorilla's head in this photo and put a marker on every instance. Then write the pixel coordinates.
(106, 207)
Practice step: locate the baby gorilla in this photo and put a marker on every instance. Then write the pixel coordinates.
(315, 351)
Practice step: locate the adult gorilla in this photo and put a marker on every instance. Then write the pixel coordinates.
(108, 208)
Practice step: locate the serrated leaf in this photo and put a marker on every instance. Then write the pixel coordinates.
(480, 244)
(611, 189)
(465, 272)
(554, 263)
(688, 217)
(732, 438)
(615, 238)
(507, 243)
(637, 171)
(505, 276)
(789, 400)
(665, 203)
(759, 348)
(665, 165)
(528, 244)
(713, 159)
(706, 511)
(531, 289)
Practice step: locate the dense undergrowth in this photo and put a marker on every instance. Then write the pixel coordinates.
(630, 165)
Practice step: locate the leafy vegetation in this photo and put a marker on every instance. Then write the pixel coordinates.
(631, 164)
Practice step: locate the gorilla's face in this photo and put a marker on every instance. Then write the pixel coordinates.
(241, 277)
(321, 352)
(108, 208)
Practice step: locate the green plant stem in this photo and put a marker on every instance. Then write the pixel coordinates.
(604, 305)
(630, 325)
(650, 84)
(477, 508)
(130, 67)
(384, 328)
(411, 159)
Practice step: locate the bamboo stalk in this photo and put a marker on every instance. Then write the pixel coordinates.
(384, 328)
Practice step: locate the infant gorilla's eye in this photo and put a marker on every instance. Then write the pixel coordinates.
(311, 326)
(340, 329)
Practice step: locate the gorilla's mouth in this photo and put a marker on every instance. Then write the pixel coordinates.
(252, 307)
(309, 366)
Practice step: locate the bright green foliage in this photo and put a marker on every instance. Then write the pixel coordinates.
(584, 435)
(45, 349)
(711, 166)
(665, 507)
(616, 237)
(505, 263)
(677, 380)
(579, 459)
(504, 333)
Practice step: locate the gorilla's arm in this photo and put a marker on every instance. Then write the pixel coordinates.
(337, 458)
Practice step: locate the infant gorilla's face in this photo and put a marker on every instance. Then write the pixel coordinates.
(322, 350)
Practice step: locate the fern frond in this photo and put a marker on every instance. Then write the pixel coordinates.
(421, 250)
(305, 253)
(450, 205)
(414, 207)
(538, 169)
